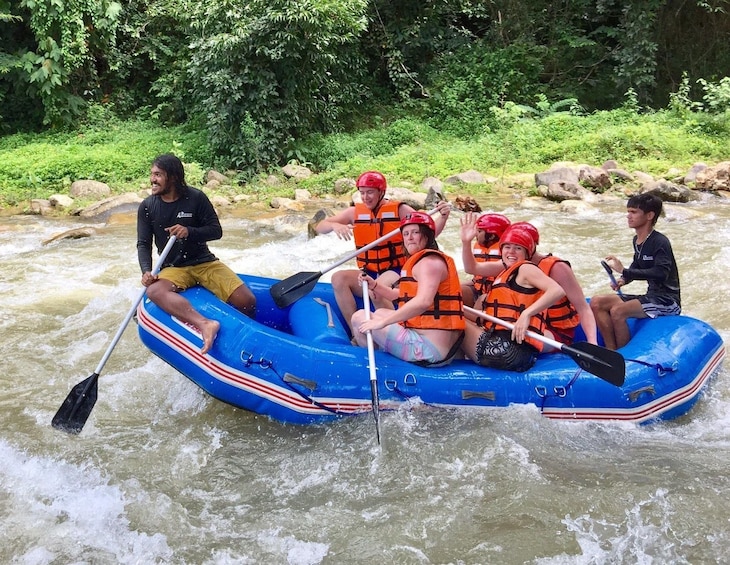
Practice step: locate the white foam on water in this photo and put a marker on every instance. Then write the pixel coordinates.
(297, 552)
(54, 511)
(644, 537)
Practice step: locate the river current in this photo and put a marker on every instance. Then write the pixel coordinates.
(163, 473)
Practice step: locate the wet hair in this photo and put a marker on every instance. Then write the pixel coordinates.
(173, 166)
(646, 202)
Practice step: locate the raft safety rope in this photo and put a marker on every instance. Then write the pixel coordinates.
(660, 369)
(558, 391)
(266, 364)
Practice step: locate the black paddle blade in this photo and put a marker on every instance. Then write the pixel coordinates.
(376, 407)
(604, 363)
(291, 289)
(75, 410)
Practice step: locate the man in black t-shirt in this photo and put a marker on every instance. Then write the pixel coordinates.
(653, 262)
(176, 209)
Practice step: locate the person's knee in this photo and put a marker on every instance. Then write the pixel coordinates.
(244, 300)
(357, 318)
(620, 313)
(158, 289)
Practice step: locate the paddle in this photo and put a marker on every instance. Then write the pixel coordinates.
(75, 410)
(609, 270)
(293, 288)
(604, 363)
(371, 361)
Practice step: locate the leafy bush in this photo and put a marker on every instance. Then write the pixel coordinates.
(266, 72)
(36, 166)
(466, 83)
(325, 151)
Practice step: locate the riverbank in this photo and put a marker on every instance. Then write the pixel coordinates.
(567, 184)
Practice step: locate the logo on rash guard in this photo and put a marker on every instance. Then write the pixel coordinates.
(184, 215)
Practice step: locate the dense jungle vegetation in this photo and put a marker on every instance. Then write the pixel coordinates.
(96, 88)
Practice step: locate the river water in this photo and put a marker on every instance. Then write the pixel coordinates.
(163, 473)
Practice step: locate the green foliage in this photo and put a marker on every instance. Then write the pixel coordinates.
(406, 151)
(325, 151)
(148, 76)
(265, 72)
(117, 153)
(71, 35)
(717, 95)
(471, 80)
(636, 55)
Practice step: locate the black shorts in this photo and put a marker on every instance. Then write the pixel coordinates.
(496, 349)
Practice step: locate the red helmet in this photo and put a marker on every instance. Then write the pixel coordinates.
(518, 236)
(418, 218)
(493, 223)
(371, 179)
(532, 230)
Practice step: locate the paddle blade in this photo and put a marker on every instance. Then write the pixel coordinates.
(75, 410)
(376, 407)
(604, 363)
(293, 288)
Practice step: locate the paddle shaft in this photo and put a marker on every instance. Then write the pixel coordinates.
(369, 246)
(535, 335)
(157, 268)
(609, 270)
(371, 360)
(292, 288)
(78, 404)
(604, 363)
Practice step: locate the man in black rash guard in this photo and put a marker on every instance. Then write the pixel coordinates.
(653, 262)
(174, 208)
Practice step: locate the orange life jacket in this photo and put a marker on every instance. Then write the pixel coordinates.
(446, 311)
(562, 315)
(368, 227)
(506, 300)
(485, 255)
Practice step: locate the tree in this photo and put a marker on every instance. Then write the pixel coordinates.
(266, 71)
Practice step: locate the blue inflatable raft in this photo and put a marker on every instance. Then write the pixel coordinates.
(296, 365)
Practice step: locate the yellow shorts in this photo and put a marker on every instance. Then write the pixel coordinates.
(213, 275)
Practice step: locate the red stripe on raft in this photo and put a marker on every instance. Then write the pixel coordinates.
(647, 411)
(239, 379)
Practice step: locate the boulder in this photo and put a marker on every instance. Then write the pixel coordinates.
(213, 175)
(76, 233)
(691, 175)
(343, 186)
(89, 189)
(467, 177)
(60, 201)
(100, 211)
(594, 178)
(296, 172)
(432, 183)
(557, 175)
(669, 191)
(714, 178)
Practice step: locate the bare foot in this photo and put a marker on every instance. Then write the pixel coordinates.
(209, 329)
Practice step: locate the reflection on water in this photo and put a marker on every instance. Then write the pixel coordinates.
(164, 474)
